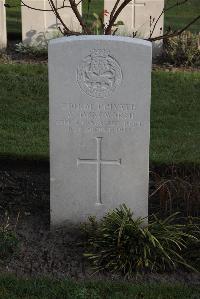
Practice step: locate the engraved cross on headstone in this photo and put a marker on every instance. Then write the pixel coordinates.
(135, 4)
(98, 162)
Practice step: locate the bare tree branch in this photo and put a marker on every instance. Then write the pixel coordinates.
(115, 16)
(40, 9)
(174, 33)
(51, 3)
(114, 9)
(117, 8)
(164, 11)
(79, 17)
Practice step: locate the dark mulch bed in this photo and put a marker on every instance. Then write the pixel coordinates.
(24, 195)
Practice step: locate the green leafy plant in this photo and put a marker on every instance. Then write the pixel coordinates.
(8, 240)
(98, 24)
(183, 50)
(4, 58)
(33, 51)
(120, 243)
(192, 251)
(39, 47)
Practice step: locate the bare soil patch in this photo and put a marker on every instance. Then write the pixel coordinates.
(24, 194)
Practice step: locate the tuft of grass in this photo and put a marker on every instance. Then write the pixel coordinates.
(120, 243)
(193, 247)
(182, 50)
(175, 189)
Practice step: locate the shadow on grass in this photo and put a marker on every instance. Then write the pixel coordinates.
(24, 164)
(172, 188)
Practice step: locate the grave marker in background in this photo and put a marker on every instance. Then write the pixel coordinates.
(140, 16)
(38, 25)
(3, 31)
(99, 125)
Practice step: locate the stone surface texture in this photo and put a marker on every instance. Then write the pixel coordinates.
(40, 25)
(3, 31)
(139, 16)
(100, 89)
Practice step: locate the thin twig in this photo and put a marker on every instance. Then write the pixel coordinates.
(51, 3)
(175, 33)
(39, 9)
(115, 16)
(114, 8)
(79, 17)
(164, 11)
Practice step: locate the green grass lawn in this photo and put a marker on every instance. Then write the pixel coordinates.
(175, 121)
(175, 111)
(176, 18)
(180, 16)
(13, 288)
(24, 109)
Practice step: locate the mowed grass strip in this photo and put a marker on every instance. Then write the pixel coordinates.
(175, 110)
(24, 111)
(182, 15)
(14, 288)
(175, 121)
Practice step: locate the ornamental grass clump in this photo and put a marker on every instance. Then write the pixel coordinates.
(183, 50)
(192, 251)
(121, 244)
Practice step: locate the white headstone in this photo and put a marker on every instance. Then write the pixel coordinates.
(3, 31)
(37, 25)
(139, 16)
(99, 125)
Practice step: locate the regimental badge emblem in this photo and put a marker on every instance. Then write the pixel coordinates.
(99, 74)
